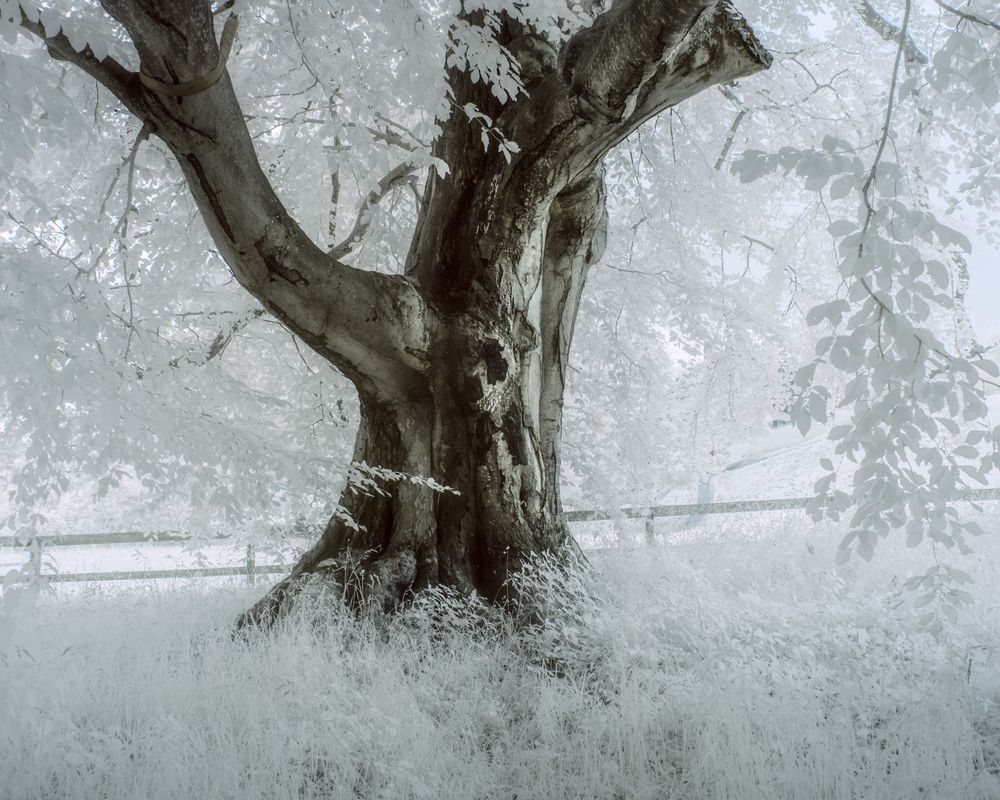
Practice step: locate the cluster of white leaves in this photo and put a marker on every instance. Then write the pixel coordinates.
(474, 48)
(489, 131)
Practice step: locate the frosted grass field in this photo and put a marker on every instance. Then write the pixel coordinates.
(750, 669)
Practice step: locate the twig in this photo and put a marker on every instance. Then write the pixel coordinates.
(730, 138)
(867, 188)
(334, 196)
(221, 341)
(122, 230)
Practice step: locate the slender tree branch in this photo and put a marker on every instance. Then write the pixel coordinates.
(128, 166)
(331, 229)
(967, 16)
(730, 138)
(221, 340)
(867, 188)
(396, 139)
(890, 32)
(122, 228)
(396, 177)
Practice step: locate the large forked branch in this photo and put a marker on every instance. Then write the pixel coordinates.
(633, 62)
(717, 47)
(371, 326)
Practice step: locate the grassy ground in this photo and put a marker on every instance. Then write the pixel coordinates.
(728, 670)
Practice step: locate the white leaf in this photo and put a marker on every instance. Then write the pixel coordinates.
(51, 22)
(841, 187)
(842, 227)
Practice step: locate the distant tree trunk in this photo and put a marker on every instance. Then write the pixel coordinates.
(460, 363)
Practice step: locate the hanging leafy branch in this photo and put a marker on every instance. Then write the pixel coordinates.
(902, 457)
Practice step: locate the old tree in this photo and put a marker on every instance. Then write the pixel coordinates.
(458, 343)
(460, 361)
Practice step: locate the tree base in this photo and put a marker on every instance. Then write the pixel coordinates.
(385, 584)
(381, 583)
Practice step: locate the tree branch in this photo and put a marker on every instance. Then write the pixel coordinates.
(719, 47)
(654, 59)
(122, 229)
(968, 17)
(617, 64)
(221, 340)
(867, 190)
(890, 32)
(606, 64)
(730, 138)
(399, 175)
(371, 326)
(108, 72)
(331, 225)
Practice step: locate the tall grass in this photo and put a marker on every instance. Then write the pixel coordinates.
(751, 670)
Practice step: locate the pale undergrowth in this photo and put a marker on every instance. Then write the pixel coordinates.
(747, 670)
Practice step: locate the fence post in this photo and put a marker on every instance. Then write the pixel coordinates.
(650, 534)
(35, 557)
(251, 564)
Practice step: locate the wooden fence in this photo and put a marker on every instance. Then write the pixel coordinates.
(250, 569)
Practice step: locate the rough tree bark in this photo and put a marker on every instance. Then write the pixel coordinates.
(460, 363)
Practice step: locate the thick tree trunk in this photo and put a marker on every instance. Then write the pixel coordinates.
(460, 363)
(487, 428)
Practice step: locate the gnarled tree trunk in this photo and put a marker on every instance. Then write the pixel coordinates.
(460, 363)
(486, 425)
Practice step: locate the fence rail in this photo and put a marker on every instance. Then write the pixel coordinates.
(250, 569)
(124, 537)
(193, 572)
